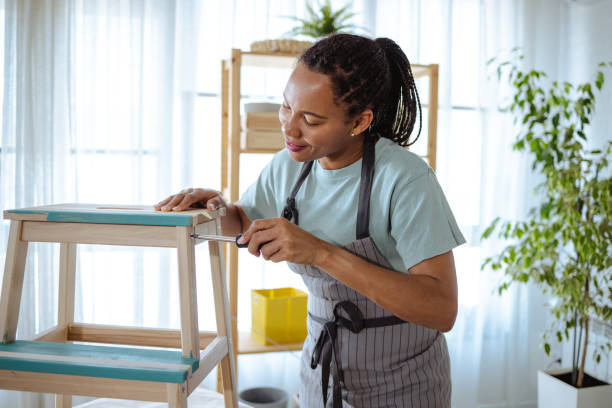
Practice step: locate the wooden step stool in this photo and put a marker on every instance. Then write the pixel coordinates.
(51, 365)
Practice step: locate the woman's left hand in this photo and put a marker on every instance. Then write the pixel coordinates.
(281, 240)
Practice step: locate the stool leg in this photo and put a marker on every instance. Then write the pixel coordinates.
(63, 401)
(232, 275)
(65, 314)
(190, 335)
(177, 395)
(12, 283)
(228, 372)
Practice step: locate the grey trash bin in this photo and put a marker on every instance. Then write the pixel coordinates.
(264, 397)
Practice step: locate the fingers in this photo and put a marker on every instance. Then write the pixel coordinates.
(163, 202)
(187, 201)
(278, 256)
(174, 202)
(256, 226)
(168, 203)
(277, 240)
(273, 251)
(215, 203)
(262, 239)
(191, 198)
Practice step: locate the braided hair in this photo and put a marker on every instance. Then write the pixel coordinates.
(372, 74)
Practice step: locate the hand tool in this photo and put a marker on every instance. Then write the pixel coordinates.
(221, 238)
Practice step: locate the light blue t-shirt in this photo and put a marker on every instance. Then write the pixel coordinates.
(410, 219)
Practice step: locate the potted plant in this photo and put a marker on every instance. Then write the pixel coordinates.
(564, 244)
(316, 25)
(325, 22)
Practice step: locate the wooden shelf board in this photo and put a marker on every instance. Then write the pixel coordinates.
(420, 71)
(287, 60)
(247, 344)
(270, 54)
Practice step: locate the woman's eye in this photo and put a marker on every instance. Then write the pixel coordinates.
(309, 123)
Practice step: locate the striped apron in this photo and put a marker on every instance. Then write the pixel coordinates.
(375, 359)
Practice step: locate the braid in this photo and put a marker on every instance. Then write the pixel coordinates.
(372, 74)
(403, 114)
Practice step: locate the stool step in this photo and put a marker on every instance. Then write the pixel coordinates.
(98, 214)
(127, 363)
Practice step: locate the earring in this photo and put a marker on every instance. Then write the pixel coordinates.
(352, 134)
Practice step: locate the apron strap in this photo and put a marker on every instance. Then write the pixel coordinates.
(324, 352)
(290, 211)
(365, 188)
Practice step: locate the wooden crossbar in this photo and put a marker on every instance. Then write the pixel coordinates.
(54, 334)
(81, 385)
(211, 356)
(136, 336)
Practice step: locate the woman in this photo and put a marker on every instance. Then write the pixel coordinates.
(363, 221)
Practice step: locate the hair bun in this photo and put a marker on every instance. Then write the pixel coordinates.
(387, 44)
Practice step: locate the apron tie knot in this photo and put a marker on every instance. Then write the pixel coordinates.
(324, 350)
(354, 322)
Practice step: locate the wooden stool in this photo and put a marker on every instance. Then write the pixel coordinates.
(48, 364)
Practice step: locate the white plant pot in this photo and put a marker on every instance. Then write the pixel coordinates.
(554, 393)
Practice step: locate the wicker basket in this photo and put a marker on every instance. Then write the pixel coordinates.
(284, 46)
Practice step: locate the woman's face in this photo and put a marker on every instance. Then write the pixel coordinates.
(314, 126)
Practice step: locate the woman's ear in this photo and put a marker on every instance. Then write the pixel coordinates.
(362, 121)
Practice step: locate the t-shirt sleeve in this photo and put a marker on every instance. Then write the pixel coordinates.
(259, 200)
(422, 223)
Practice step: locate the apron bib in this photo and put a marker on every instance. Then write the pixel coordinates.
(374, 359)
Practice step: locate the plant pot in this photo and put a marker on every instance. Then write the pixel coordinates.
(264, 397)
(556, 393)
(281, 45)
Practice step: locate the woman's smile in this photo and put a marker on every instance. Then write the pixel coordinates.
(293, 147)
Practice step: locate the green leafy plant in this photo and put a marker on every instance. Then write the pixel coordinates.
(324, 22)
(564, 244)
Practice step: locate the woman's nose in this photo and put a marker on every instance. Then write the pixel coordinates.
(289, 126)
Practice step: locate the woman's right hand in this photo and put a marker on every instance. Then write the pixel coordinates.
(192, 198)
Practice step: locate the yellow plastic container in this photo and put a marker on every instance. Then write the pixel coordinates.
(278, 315)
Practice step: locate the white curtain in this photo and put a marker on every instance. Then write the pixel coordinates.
(35, 143)
(98, 106)
(494, 345)
(118, 102)
(586, 43)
